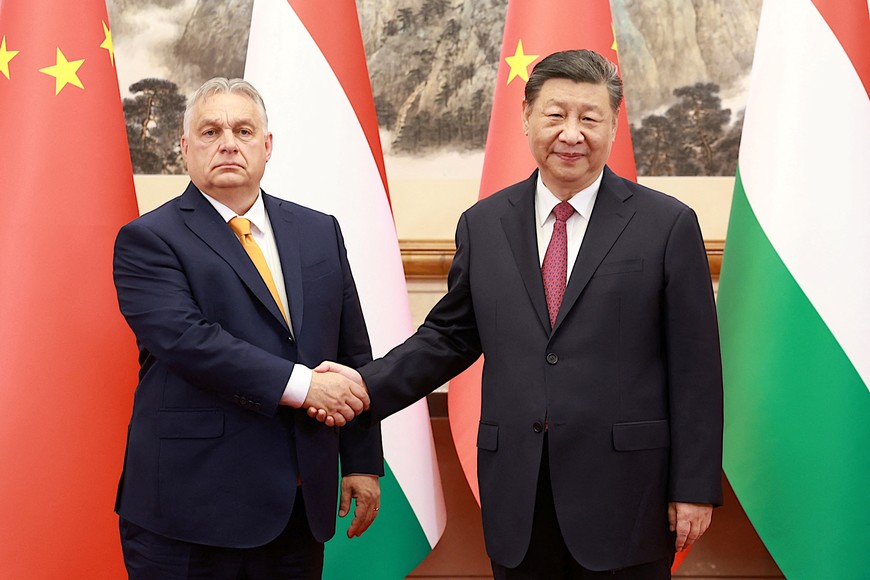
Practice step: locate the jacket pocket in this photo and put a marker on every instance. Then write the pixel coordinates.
(639, 435)
(190, 424)
(487, 436)
(619, 266)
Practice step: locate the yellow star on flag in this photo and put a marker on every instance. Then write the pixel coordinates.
(64, 72)
(613, 30)
(107, 43)
(5, 57)
(519, 63)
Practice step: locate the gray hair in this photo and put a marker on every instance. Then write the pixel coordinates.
(222, 86)
(580, 66)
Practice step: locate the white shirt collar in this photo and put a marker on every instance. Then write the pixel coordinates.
(256, 215)
(582, 201)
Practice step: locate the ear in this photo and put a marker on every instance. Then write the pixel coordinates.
(268, 146)
(184, 146)
(527, 114)
(615, 125)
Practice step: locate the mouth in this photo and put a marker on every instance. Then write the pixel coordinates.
(569, 155)
(228, 165)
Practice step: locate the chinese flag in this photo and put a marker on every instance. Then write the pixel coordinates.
(67, 359)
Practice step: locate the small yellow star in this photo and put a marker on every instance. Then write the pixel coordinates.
(5, 57)
(519, 63)
(107, 43)
(613, 30)
(64, 72)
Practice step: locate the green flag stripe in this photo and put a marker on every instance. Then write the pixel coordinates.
(797, 429)
(391, 548)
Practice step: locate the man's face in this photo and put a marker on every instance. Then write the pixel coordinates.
(571, 128)
(227, 147)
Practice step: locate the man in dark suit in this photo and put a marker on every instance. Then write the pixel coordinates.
(600, 436)
(233, 296)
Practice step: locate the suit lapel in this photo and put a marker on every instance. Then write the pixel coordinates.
(519, 226)
(289, 251)
(610, 215)
(204, 221)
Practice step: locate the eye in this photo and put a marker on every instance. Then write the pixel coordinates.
(209, 132)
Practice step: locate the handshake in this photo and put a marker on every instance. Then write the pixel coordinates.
(337, 394)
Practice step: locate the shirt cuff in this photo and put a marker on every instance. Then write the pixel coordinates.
(297, 386)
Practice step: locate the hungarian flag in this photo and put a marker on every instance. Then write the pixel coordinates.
(533, 30)
(793, 294)
(67, 359)
(310, 67)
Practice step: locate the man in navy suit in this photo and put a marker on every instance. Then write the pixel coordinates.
(224, 475)
(600, 435)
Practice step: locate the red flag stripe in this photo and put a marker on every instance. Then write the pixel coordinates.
(850, 22)
(337, 33)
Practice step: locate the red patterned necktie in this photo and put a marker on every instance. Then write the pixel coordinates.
(554, 270)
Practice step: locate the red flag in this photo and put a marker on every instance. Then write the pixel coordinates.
(68, 360)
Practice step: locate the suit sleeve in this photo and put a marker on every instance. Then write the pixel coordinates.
(446, 344)
(694, 367)
(360, 442)
(155, 297)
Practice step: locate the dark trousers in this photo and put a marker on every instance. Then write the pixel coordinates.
(293, 554)
(548, 557)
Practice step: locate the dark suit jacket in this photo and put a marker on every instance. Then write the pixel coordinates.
(629, 380)
(211, 457)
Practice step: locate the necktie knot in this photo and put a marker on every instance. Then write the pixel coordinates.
(563, 211)
(241, 226)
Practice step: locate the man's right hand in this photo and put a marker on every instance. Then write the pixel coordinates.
(327, 367)
(338, 397)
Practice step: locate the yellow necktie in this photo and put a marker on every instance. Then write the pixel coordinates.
(242, 228)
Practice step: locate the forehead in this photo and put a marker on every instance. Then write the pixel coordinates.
(568, 93)
(226, 107)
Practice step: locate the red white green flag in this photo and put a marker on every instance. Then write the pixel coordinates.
(309, 65)
(793, 295)
(67, 358)
(533, 29)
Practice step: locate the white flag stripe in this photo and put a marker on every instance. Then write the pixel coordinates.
(804, 172)
(321, 159)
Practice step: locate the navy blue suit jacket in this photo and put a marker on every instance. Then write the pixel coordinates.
(629, 380)
(211, 456)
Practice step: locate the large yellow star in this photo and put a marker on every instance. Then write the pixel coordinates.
(5, 57)
(519, 63)
(107, 43)
(64, 72)
(613, 46)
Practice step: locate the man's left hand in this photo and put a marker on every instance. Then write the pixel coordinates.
(689, 520)
(366, 490)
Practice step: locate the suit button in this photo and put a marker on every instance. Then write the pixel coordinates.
(552, 358)
(538, 427)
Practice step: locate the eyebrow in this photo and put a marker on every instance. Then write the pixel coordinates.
(564, 104)
(206, 121)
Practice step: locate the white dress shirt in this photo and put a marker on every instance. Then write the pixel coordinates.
(582, 202)
(261, 229)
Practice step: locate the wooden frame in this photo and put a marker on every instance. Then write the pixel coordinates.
(432, 258)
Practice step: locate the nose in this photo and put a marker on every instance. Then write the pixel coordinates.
(571, 132)
(228, 142)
